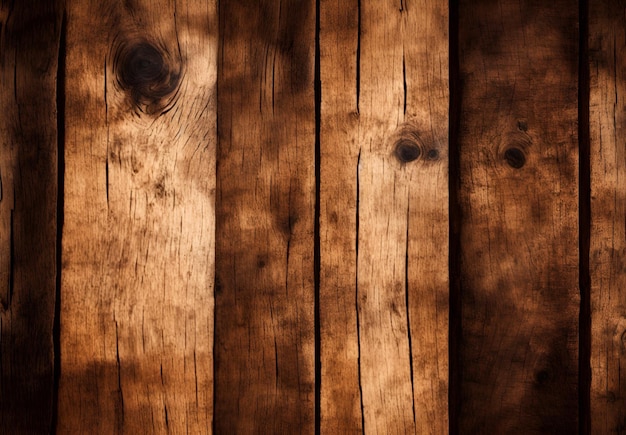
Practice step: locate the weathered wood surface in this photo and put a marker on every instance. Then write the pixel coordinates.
(518, 196)
(607, 116)
(265, 334)
(138, 235)
(28, 204)
(383, 214)
(126, 127)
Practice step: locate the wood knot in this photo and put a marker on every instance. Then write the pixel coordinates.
(515, 146)
(148, 74)
(409, 145)
(515, 157)
(407, 150)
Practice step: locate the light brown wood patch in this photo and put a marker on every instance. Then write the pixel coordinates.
(138, 237)
(383, 208)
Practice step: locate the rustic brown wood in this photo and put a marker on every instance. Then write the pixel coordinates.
(28, 202)
(383, 217)
(519, 231)
(265, 347)
(138, 239)
(607, 116)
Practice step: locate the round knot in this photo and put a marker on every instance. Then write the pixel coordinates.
(145, 72)
(515, 157)
(407, 150)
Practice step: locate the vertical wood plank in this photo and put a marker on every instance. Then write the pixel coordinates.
(265, 336)
(29, 50)
(607, 127)
(138, 237)
(384, 216)
(519, 231)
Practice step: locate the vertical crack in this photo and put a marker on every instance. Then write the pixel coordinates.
(404, 79)
(106, 114)
(584, 236)
(408, 317)
(356, 297)
(60, 109)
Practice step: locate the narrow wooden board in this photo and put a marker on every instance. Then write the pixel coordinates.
(138, 236)
(518, 195)
(265, 335)
(607, 127)
(28, 204)
(384, 217)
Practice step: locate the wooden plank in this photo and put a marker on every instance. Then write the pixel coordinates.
(518, 198)
(265, 340)
(607, 127)
(138, 237)
(384, 217)
(28, 203)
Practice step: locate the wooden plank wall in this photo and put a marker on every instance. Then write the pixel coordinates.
(312, 216)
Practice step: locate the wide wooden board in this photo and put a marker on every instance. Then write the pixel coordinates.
(139, 222)
(264, 295)
(518, 197)
(384, 216)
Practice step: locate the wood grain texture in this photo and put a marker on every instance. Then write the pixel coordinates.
(138, 237)
(28, 203)
(265, 339)
(519, 230)
(607, 116)
(383, 215)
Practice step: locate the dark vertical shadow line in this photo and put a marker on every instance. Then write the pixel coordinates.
(454, 253)
(216, 281)
(316, 229)
(56, 328)
(584, 237)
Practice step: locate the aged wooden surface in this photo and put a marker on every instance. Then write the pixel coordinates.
(264, 344)
(28, 204)
(383, 213)
(311, 201)
(519, 230)
(138, 236)
(607, 116)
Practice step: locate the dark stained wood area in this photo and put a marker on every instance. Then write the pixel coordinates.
(518, 196)
(28, 211)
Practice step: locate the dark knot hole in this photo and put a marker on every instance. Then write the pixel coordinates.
(142, 65)
(147, 73)
(407, 150)
(515, 157)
